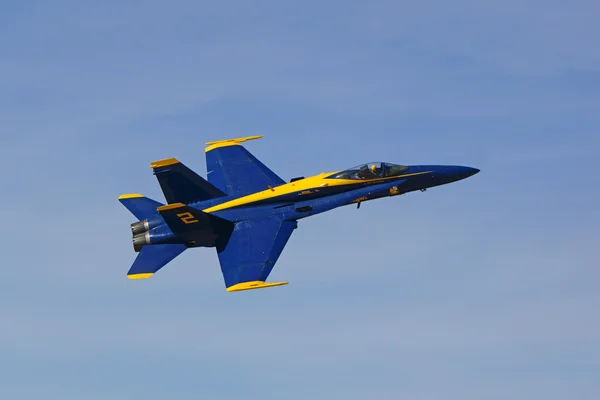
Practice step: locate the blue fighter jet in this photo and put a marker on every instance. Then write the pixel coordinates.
(248, 213)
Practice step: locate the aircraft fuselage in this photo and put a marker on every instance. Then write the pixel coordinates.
(314, 195)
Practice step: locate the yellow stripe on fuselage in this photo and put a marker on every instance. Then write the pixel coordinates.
(313, 182)
(303, 184)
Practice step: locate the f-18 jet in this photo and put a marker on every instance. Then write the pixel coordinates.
(248, 213)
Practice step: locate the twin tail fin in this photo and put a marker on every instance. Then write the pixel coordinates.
(182, 185)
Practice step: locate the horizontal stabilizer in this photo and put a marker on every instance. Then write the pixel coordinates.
(182, 185)
(140, 206)
(152, 258)
(194, 225)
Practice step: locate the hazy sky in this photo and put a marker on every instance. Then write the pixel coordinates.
(482, 289)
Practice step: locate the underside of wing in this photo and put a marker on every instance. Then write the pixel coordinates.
(252, 251)
(235, 171)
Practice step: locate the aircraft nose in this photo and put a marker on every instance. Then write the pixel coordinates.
(455, 173)
(465, 172)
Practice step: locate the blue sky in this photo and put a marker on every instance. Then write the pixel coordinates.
(486, 288)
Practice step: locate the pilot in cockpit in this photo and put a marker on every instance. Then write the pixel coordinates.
(370, 172)
(376, 171)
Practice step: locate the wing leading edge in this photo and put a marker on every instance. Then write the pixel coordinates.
(234, 170)
(252, 251)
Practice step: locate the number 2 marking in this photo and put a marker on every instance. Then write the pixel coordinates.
(187, 218)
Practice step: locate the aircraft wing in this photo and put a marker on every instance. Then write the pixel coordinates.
(252, 251)
(235, 171)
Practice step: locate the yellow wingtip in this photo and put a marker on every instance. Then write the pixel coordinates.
(130, 196)
(228, 142)
(253, 285)
(140, 276)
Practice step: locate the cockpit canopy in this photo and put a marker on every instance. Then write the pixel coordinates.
(371, 170)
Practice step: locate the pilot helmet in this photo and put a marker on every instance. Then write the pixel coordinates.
(373, 167)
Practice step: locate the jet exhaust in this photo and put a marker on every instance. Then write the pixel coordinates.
(141, 240)
(140, 227)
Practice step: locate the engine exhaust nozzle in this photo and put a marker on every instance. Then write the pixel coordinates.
(141, 240)
(140, 227)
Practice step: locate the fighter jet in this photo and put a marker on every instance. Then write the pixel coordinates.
(248, 213)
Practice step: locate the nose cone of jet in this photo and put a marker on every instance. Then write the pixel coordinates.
(452, 173)
(465, 172)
